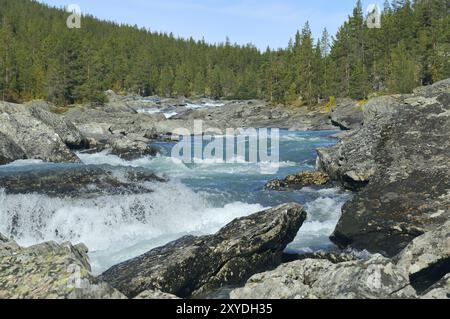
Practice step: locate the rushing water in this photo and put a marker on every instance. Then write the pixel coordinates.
(199, 199)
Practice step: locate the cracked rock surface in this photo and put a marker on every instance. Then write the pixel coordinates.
(198, 265)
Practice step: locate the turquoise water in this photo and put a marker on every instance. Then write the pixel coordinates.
(199, 199)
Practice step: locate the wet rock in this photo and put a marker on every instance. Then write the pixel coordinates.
(321, 279)
(50, 271)
(298, 181)
(129, 150)
(7, 246)
(334, 258)
(77, 181)
(198, 265)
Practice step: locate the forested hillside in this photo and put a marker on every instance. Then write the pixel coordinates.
(41, 58)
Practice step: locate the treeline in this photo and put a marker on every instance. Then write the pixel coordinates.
(411, 48)
(41, 58)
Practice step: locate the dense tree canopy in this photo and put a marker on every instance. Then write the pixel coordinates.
(41, 58)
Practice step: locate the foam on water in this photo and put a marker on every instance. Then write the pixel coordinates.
(208, 195)
(192, 106)
(168, 115)
(23, 163)
(111, 224)
(323, 215)
(176, 168)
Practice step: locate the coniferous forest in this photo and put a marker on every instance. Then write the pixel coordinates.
(40, 58)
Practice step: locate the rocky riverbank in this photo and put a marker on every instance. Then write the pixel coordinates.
(398, 164)
(126, 125)
(189, 266)
(394, 155)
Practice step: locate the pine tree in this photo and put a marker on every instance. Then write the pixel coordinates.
(182, 81)
(166, 81)
(215, 83)
(41, 58)
(403, 75)
(306, 66)
(7, 61)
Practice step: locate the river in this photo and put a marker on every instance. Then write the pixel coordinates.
(199, 199)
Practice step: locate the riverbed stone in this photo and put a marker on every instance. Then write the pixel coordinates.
(198, 265)
(80, 181)
(398, 163)
(36, 139)
(347, 115)
(322, 279)
(68, 133)
(49, 271)
(9, 150)
(298, 181)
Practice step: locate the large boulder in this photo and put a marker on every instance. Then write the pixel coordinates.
(399, 164)
(66, 130)
(347, 115)
(410, 184)
(381, 106)
(440, 290)
(322, 279)
(352, 160)
(130, 149)
(9, 150)
(426, 260)
(432, 90)
(87, 181)
(49, 271)
(37, 140)
(198, 265)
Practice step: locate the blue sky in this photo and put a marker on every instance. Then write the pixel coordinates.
(261, 22)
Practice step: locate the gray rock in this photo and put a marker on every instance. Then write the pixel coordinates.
(333, 257)
(198, 265)
(347, 115)
(441, 290)
(399, 163)
(7, 246)
(254, 114)
(411, 182)
(129, 149)
(65, 129)
(50, 271)
(9, 150)
(298, 181)
(156, 295)
(126, 134)
(321, 279)
(432, 90)
(85, 181)
(427, 258)
(352, 160)
(37, 140)
(381, 106)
